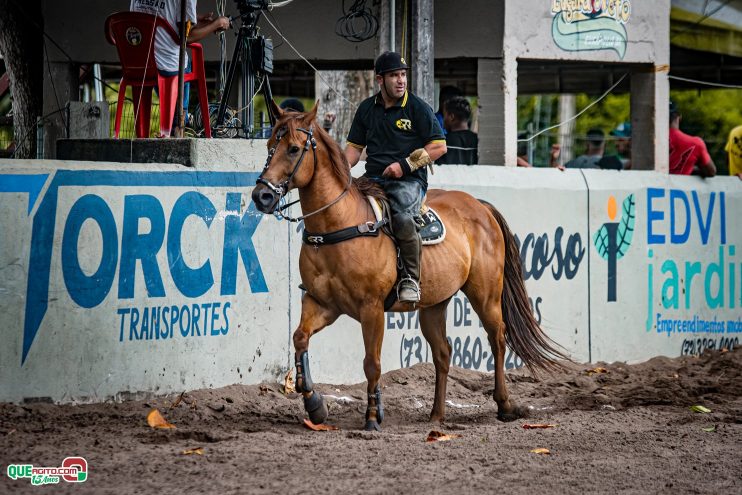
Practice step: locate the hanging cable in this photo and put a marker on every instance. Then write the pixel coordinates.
(706, 83)
(358, 23)
(309, 63)
(576, 115)
(54, 88)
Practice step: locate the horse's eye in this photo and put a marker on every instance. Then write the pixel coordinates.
(293, 149)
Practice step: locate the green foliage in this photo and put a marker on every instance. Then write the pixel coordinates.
(709, 113)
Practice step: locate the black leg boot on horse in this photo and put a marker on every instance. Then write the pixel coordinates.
(314, 403)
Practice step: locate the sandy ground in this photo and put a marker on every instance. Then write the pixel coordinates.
(630, 430)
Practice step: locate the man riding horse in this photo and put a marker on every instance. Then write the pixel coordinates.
(401, 136)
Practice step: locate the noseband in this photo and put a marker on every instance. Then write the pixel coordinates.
(282, 188)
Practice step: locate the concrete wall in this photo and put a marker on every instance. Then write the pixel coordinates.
(95, 255)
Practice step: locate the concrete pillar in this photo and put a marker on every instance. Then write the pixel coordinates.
(63, 87)
(498, 111)
(423, 83)
(384, 36)
(650, 92)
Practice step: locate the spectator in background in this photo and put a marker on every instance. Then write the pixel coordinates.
(595, 150)
(295, 105)
(292, 105)
(446, 93)
(734, 151)
(460, 141)
(622, 133)
(554, 153)
(688, 154)
(167, 51)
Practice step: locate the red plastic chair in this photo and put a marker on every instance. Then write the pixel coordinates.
(133, 35)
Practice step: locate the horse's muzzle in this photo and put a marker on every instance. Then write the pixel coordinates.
(265, 200)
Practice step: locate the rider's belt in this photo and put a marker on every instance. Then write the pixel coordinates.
(363, 230)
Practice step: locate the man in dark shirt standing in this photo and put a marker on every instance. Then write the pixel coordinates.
(402, 137)
(460, 141)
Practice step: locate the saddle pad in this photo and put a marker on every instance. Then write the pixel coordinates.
(432, 230)
(431, 227)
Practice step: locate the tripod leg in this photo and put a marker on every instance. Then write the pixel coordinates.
(230, 78)
(268, 95)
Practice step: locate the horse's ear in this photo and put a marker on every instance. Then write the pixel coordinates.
(313, 112)
(277, 112)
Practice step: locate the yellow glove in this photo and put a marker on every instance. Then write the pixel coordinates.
(418, 159)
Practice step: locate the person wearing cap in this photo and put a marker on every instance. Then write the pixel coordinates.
(292, 105)
(688, 154)
(595, 150)
(401, 137)
(622, 133)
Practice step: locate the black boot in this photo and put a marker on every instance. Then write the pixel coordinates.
(410, 247)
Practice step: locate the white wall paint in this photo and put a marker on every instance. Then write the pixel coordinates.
(80, 353)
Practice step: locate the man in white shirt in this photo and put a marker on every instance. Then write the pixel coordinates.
(167, 51)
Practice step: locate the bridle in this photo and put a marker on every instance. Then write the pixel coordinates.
(283, 187)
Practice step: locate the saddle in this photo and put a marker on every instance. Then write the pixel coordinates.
(429, 223)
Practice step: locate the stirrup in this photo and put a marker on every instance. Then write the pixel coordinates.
(415, 287)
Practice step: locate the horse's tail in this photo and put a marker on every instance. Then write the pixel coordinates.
(522, 332)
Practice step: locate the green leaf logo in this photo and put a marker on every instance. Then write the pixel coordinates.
(600, 239)
(626, 227)
(625, 232)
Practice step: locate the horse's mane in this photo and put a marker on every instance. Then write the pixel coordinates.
(339, 164)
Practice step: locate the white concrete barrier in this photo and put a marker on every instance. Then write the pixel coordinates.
(126, 279)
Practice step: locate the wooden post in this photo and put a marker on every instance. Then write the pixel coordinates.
(422, 63)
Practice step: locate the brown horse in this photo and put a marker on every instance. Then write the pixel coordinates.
(479, 256)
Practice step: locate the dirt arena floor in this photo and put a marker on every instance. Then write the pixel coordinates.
(628, 430)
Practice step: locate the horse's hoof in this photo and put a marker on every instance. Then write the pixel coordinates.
(316, 408)
(437, 419)
(512, 415)
(372, 426)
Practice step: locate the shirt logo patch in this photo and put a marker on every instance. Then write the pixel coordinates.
(404, 124)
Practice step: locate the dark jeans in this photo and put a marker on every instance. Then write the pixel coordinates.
(405, 199)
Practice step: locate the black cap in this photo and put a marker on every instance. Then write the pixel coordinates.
(292, 105)
(388, 62)
(596, 136)
(673, 108)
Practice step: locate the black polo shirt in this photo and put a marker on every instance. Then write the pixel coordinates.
(391, 134)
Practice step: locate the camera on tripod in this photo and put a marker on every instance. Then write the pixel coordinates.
(247, 7)
(253, 55)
